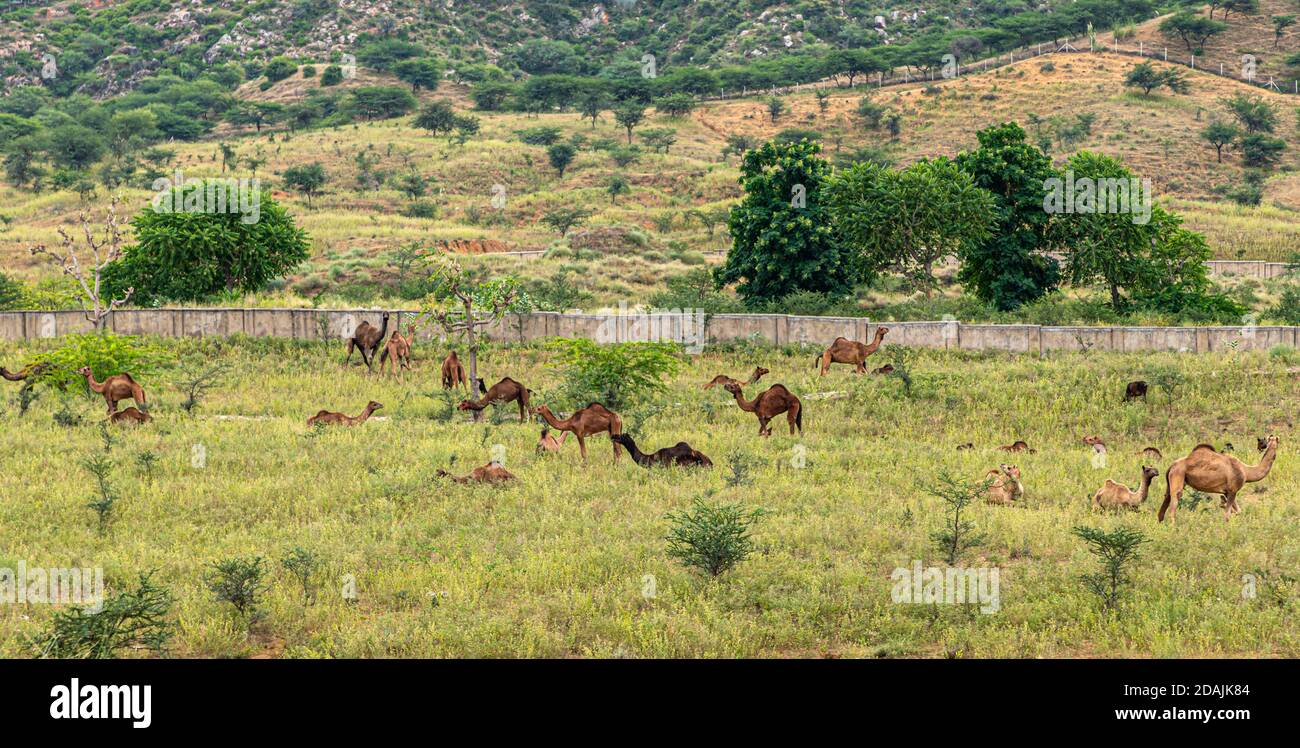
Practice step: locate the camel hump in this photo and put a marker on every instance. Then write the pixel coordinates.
(1205, 446)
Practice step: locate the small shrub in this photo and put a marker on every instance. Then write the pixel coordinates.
(303, 565)
(100, 467)
(240, 582)
(1116, 550)
(957, 535)
(130, 620)
(711, 537)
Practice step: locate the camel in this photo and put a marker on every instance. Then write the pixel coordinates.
(505, 391)
(845, 351)
(723, 379)
(1150, 453)
(1018, 446)
(549, 443)
(367, 338)
(592, 419)
(1261, 443)
(1114, 495)
(1212, 472)
(491, 473)
(769, 404)
(886, 369)
(1005, 488)
(680, 453)
(1096, 443)
(453, 374)
(130, 417)
(967, 445)
(329, 418)
(115, 388)
(1134, 390)
(398, 349)
(27, 371)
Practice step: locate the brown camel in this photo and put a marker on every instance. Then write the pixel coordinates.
(491, 474)
(27, 371)
(115, 388)
(549, 443)
(1018, 446)
(845, 351)
(886, 369)
(1261, 443)
(1114, 495)
(967, 445)
(680, 453)
(723, 379)
(1213, 472)
(505, 391)
(1150, 453)
(592, 419)
(367, 338)
(130, 417)
(329, 418)
(453, 374)
(398, 349)
(769, 404)
(1134, 390)
(1005, 487)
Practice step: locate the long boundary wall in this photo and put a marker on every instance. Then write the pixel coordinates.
(777, 329)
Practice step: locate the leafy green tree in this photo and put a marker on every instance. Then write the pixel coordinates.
(593, 100)
(628, 116)
(331, 76)
(782, 238)
(1280, 25)
(615, 374)
(437, 117)
(308, 179)
(22, 161)
(1260, 150)
(675, 105)
(912, 218)
(1147, 77)
(491, 96)
(74, 146)
(381, 102)
(420, 73)
(561, 155)
(279, 68)
(616, 186)
(660, 139)
(256, 113)
(564, 218)
(1220, 134)
(1254, 113)
(1192, 29)
(1011, 266)
(186, 255)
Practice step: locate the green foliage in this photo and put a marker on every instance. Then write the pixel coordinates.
(1146, 76)
(778, 248)
(304, 565)
(309, 179)
(12, 293)
(1117, 550)
(711, 537)
(132, 619)
(240, 582)
(106, 497)
(957, 535)
(614, 374)
(105, 354)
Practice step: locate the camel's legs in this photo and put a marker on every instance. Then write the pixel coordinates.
(351, 344)
(826, 362)
(791, 416)
(1173, 492)
(762, 426)
(1230, 505)
(582, 445)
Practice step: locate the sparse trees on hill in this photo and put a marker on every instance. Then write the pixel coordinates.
(561, 155)
(309, 179)
(1147, 77)
(1281, 24)
(1192, 29)
(628, 116)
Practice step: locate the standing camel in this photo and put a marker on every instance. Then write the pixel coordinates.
(115, 388)
(453, 374)
(845, 351)
(329, 418)
(592, 419)
(398, 349)
(1114, 495)
(769, 404)
(1213, 472)
(367, 338)
(505, 391)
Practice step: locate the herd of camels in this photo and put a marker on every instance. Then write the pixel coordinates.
(1205, 469)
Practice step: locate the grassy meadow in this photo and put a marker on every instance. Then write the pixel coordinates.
(555, 565)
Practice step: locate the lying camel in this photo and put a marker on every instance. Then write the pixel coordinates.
(328, 418)
(593, 419)
(1018, 446)
(680, 453)
(1134, 390)
(723, 379)
(1150, 453)
(453, 374)
(491, 473)
(1212, 472)
(769, 404)
(1114, 495)
(549, 443)
(398, 349)
(130, 417)
(507, 390)
(845, 351)
(886, 369)
(967, 445)
(1005, 488)
(115, 388)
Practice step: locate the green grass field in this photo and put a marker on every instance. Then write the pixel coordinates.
(554, 566)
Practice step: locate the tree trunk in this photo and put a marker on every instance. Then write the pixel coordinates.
(472, 340)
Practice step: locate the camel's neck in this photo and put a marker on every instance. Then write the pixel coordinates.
(1258, 472)
(365, 415)
(747, 406)
(637, 455)
(9, 375)
(383, 330)
(96, 386)
(553, 421)
(1146, 486)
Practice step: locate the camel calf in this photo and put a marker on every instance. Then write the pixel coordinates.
(1005, 488)
(130, 417)
(329, 418)
(1114, 495)
(722, 379)
(491, 474)
(549, 443)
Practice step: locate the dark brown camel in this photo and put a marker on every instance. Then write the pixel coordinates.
(886, 369)
(680, 453)
(27, 371)
(453, 373)
(367, 338)
(491, 473)
(507, 390)
(1018, 446)
(723, 379)
(130, 417)
(329, 418)
(593, 419)
(1134, 390)
(115, 388)
(845, 351)
(769, 404)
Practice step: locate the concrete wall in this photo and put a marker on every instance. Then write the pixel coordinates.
(776, 329)
(1246, 268)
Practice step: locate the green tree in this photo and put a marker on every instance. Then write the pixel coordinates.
(675, 105)
(628, 116)
(420, 73)
(437, 117)
(380, 102)
(1260, 150)
(561, 155)
(782, 239)
(616, 186)
(279, 68)
(1012, 265)
(912, 218)
(1145, 76)
(308, 179)
(1220, 134)
(1192, 29)
(1254, 113)
(1281, 24)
